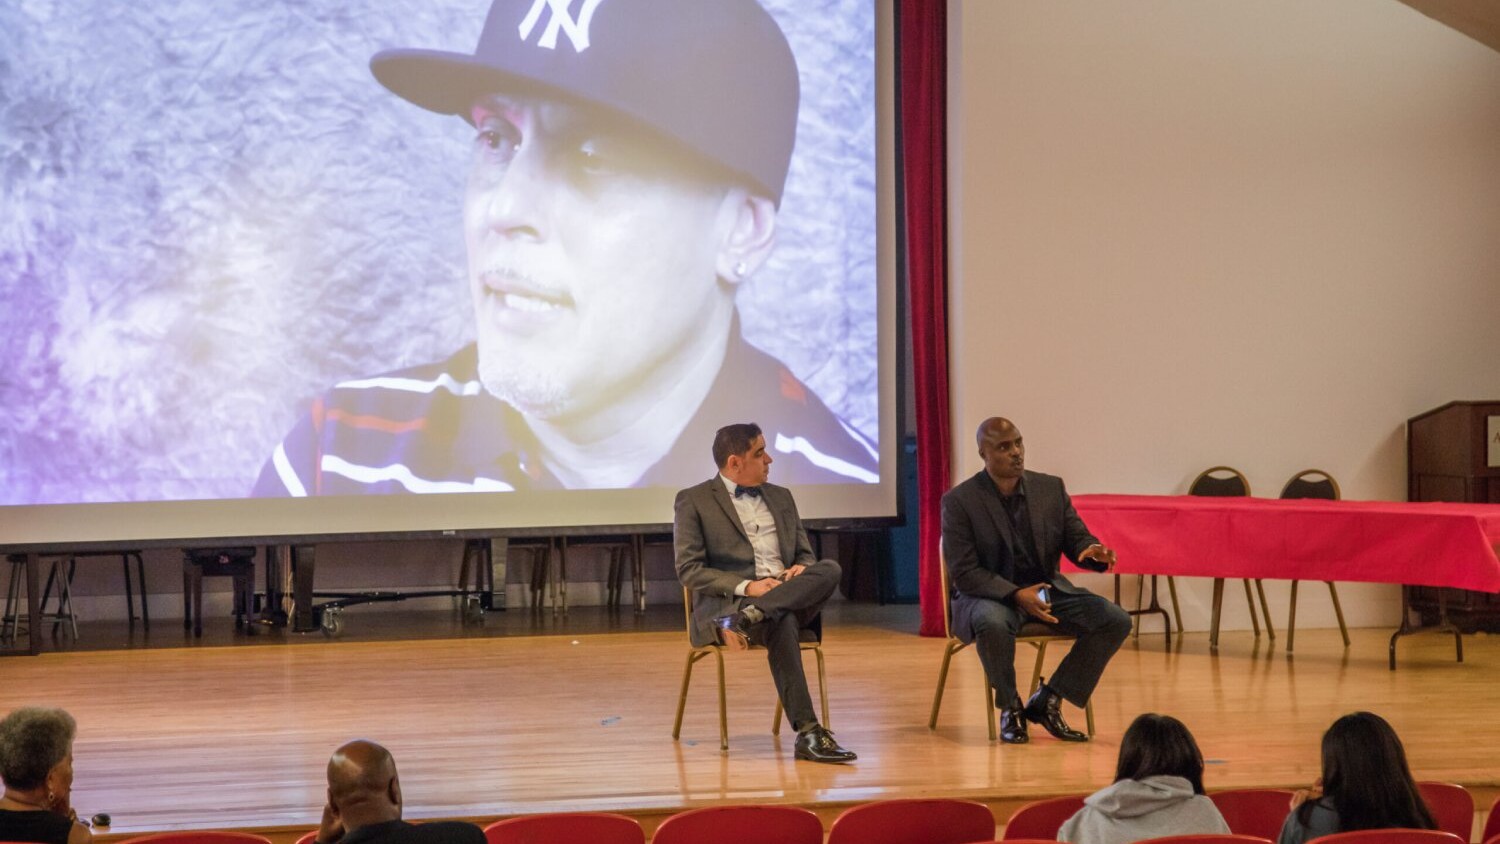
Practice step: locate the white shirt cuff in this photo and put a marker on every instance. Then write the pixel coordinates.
(740, 588)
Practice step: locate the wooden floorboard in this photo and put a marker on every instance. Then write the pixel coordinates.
(567, 715)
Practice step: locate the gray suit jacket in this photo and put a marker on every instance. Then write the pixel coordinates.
(714, 552)
(977, 541)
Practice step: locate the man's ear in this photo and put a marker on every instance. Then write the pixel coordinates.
(747, 225)
(393, 791)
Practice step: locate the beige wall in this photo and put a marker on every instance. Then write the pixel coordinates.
(1188, 232)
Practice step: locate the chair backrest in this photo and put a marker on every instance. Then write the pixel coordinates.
(687, 611)
(1254, 811)
(1220, 482)
(915, 821)
(308, 838)
(1492, 825)
(1208, 838)
(199, 837)
(1041, 819)
(735, 824)
(1452, 806)
(1311, 483)
(947, 591)
(1391, 836)
(591, 827)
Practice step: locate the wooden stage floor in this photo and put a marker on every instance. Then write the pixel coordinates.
(578, 716)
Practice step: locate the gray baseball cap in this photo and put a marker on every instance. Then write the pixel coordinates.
(714, 75)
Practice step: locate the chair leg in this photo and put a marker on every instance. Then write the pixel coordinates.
(1088, 711)
(937, 696)
(140, 579)
(12, 619)
(187, 597)
(1140, 593)
(1250, 601)
(1176, 607)
(723, 705)
(823, 687)
(989, 710)
(1265, 609)
(1291, 620)
(1036, 672)
(687, 677)
(1338, 610)
(776, 719)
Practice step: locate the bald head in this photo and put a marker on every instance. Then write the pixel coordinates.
(1003, 452)
(362, 785)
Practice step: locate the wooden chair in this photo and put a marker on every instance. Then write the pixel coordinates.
(811, 640)
(1254, 811)
(1042, 818)
(916, 821)
(1208, 838)
(1452, 806)
(1391, 836)
(1032, 633)
(198, 837)
(1229, 482)
(1313, 483)
(736, 824)
(593, 827)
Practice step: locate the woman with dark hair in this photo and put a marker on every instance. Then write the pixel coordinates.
(36, 764)
(1366, 784)
(1158, 790)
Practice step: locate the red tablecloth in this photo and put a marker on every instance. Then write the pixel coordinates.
(1428, 544)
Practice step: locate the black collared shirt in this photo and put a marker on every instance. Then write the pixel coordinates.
(1022, 541)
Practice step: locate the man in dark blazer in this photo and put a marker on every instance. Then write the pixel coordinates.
(1004, 531)
(364, 804)
(742, 550)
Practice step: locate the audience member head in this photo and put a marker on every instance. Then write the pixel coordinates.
(36, 756)
(1157, 746)
(362, 785)
(1366, 778)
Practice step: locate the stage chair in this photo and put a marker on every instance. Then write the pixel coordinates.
(1042, 818)
(1254, 811)
(1313, 483)
(1391, 836)
(1032, 633)
(198, 837)
(1492, 824)
(593, 827)
(1452, 806)
(1229, 482)
(811, 640)
(1208, 838)
(236, 563)
(914, 821)
(736, 824)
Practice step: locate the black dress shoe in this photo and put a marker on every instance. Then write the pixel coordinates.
(1045, 708)
(734, 629)
(816, 744)
(1013, 727)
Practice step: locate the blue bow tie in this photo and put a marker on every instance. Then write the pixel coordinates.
(753, 491)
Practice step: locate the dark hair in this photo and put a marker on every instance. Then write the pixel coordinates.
(33, 741)
(1366, 779)
(733, 439)
(1159, 745)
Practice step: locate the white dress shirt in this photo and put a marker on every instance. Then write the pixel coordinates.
(760, 526)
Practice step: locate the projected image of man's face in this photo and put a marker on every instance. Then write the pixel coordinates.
(591, 251)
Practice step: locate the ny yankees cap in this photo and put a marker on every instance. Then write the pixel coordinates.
(715, 75)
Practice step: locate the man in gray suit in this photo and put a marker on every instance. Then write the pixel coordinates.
(743, 551)
(1004, 531)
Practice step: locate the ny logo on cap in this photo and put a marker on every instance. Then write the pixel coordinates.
(577, 29)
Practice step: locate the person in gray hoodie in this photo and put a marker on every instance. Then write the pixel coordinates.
(1158, 790)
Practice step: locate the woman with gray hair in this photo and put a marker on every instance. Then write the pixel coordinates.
(36, 764)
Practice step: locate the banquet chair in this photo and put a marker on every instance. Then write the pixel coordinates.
(198, 837)
(1208, 838)
(1228, 482)
(1391, 836)
(811, 639)
(914, 821)
(736, 824)
(1313, 483)
(593, 827)
(1254, 811)
(1492, 824)
(1033, 633)
(1041, 818)
(1452, 806)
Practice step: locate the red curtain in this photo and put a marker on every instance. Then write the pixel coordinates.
(922, 94)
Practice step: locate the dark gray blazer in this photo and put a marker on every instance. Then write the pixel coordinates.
(977, 534)
(714, 552)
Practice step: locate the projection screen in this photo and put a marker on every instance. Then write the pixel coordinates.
(313, 268)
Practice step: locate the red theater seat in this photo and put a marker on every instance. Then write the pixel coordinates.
(914, 822)
(737, 824)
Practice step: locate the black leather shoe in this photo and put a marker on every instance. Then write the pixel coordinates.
(734, 629)
(1013, 727)
(1045, 708)
(816, 744)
